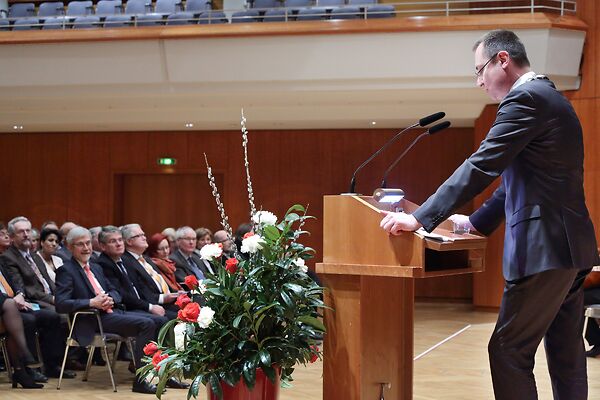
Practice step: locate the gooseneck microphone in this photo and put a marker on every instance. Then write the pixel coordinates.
(422, 122)
(431, 131)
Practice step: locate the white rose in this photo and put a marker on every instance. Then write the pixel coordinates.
(180, 330)
(205, 317)
(252, 244)
(300, 264)
(264, 218)
(211, 251)
(201, 287)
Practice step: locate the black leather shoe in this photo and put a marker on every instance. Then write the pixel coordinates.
(37, 375)
(593, 352)
(143, 387)
(174, 383)
(55, 373)
(75, 365)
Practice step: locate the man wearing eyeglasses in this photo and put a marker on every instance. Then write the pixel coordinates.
(536, 146)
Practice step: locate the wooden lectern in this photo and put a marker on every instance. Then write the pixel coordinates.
(370, 280)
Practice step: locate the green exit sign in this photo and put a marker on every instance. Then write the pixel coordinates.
(167, 161)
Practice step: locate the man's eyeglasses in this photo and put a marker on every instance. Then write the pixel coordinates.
(83, 244)
(479, 71)
(138, 235)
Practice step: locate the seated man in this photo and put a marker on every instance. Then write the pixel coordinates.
(591, 295)
(144, 274)
(187, 262)
(81, 285)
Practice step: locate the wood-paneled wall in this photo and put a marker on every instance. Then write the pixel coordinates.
(77, 176)
(487, 287)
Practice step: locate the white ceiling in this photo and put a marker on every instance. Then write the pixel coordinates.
(282, 82)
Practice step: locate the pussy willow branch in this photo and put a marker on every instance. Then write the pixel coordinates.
(220, 206)
(247, 165)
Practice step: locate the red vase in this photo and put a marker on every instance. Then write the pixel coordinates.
(264, 389)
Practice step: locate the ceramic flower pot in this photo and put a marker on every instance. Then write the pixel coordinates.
(264, 389)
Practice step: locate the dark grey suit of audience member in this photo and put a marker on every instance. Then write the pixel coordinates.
(73, 293)
(536, 145)
(20, 272)
(183, 267)
(64, 253)
(146, 286)
(129, 293)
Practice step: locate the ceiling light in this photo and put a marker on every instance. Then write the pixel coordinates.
(373, 122)
(189, 125)
(18, 127)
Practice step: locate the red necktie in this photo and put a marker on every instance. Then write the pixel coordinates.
(97, 289)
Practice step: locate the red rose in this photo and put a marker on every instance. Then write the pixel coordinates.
(150, 349)
(191, 282)
(183, 300)
(189, 313)
(157, 358)
(314, 356)
(247, 235)
(231, 265)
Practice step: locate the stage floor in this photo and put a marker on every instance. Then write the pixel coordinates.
(457, 370)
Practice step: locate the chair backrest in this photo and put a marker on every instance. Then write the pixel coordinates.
(245, 16)
(321, 3)
(213, 17)
(198, 5)
(299, 3)
(80, 7)
(89, 22)
(25, 24)
(360, 2)
(21, 10)
(109, 7)
(266, 3)
(138, 6)
(51, 8)
(168, 6)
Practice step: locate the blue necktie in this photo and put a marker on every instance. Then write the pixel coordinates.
(197, 271)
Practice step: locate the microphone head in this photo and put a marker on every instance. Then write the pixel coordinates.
(431, 118)
(436, 128)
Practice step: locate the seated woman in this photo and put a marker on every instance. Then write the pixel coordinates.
(203, 237)
(49, 242)
(159, 249)
(4, 238)
(19, 355)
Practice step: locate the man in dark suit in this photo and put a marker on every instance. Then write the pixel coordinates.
(81, 285)
(187, 262)
(144, 274)
(27, 287)
(536, 145)
(63, 251)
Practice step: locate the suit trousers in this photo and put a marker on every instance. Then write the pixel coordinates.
(592, 334)
(129, 324)
(547, 305)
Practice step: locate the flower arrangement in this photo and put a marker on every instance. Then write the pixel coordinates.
(260, 310)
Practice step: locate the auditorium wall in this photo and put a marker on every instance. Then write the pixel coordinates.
(100, 178)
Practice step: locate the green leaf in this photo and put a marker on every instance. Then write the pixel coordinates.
(237, 320)
(265, 358)
(247, 305)
(258, 322)
(194, 387)
(249, 374)
(286, 299)
(292, 217)
(294, 287)
(215, 386)
(166, 328)
(295, 207)
(263, 309)
(271, 232)
(312, 321)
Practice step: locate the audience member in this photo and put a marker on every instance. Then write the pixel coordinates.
(144, 274)
(49, 225)
(62, 251)
(203, 237)
(35, 240)
(4, 238)
(159, 250)
(170, 234)
(82, 285)
(223, 238)
(20, 267)
(96, 250)
(16, 343)
(186, 261)
(45, 258)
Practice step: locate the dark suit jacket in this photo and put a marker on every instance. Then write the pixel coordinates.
(122, 283)
(536, 145)
(143, 282)
(182, 268)
(74, 291)
(21, 274)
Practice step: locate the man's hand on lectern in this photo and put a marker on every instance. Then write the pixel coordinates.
(396, 222)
